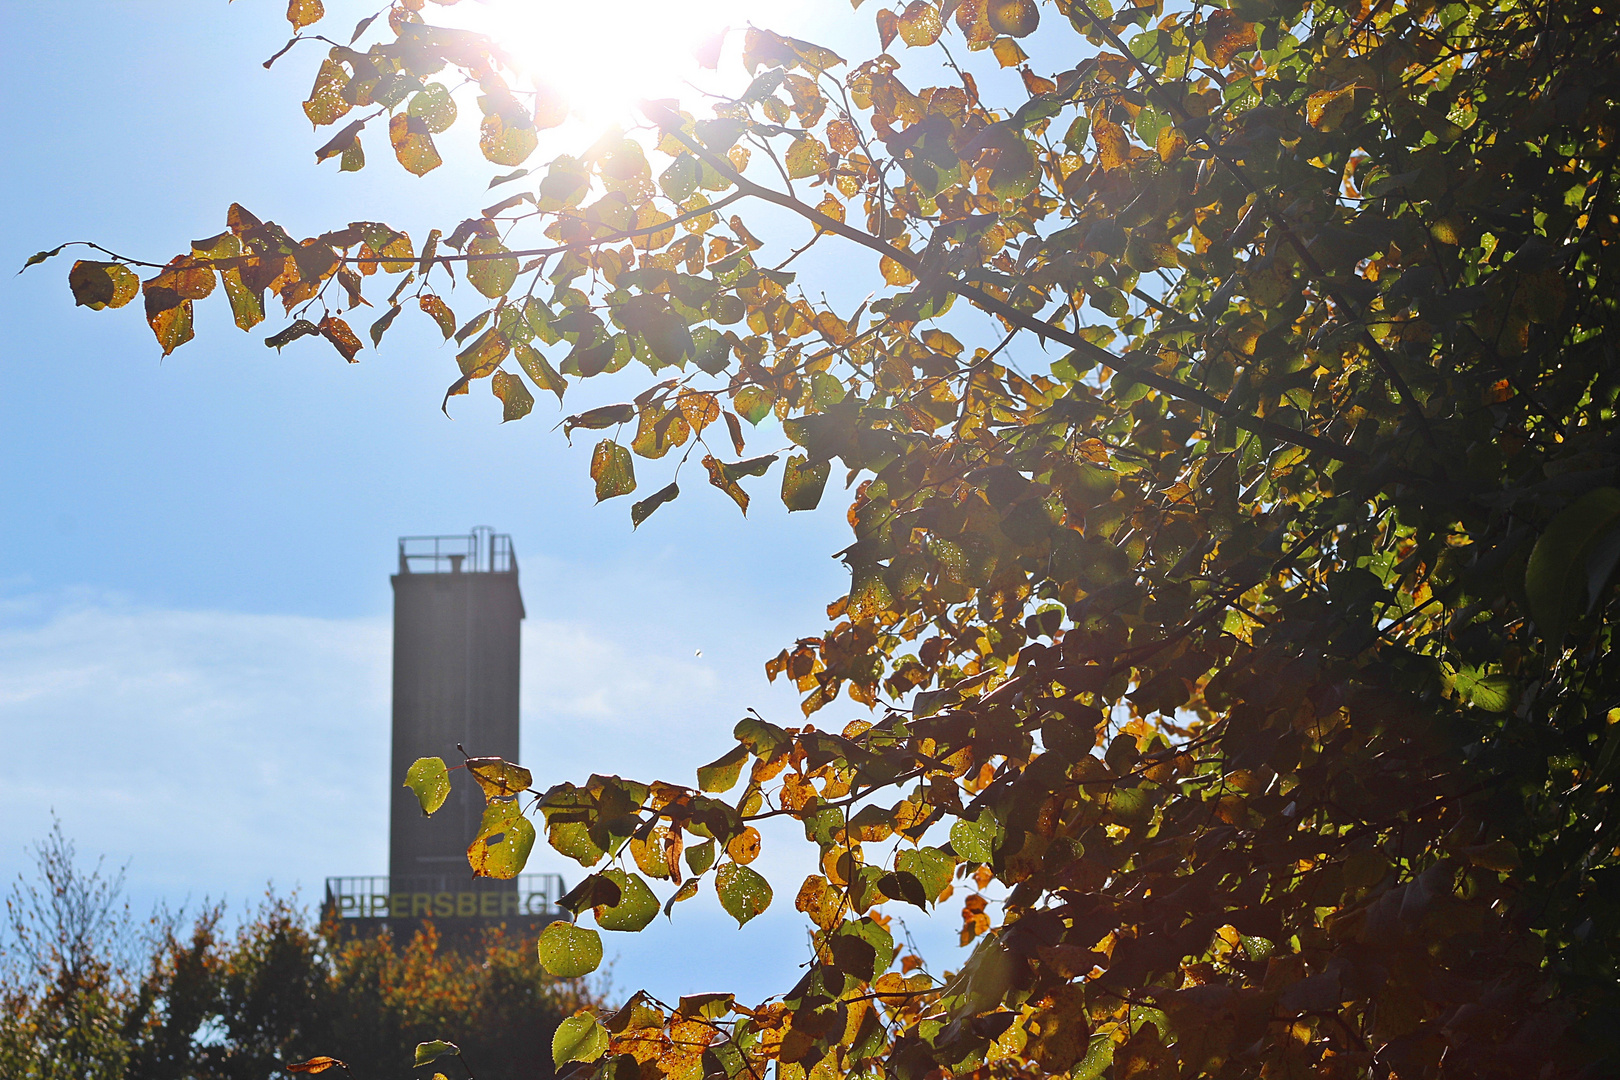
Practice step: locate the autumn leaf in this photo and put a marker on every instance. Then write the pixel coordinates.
(302, 13)
(612, 469)
(343, 339)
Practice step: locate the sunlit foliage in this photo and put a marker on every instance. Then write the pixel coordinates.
(1253, 649)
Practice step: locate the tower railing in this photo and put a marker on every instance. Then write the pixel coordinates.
(481, 551)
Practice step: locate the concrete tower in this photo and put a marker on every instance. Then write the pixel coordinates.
(457, 611)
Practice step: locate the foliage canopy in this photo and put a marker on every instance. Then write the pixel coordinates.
(1258, 643)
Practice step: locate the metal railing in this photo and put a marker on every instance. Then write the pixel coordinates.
(445, 897)
(481, 551)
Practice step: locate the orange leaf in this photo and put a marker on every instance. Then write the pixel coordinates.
(303, 12)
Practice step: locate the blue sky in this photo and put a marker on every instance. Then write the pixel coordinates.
(194, 551)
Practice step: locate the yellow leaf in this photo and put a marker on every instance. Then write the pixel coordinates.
(806, 157)
(1018, 18)
(303, 12)
(1008, 52)
(1325, 110)
(920, 24)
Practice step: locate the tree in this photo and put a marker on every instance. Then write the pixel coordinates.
(87, 994)
(1257, 644)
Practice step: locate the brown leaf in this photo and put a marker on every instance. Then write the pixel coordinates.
(441, 313)
(316, 1065)
(1225, 35)
(888, 25)
(342, 338)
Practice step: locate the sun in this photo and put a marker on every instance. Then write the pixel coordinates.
(603, 56)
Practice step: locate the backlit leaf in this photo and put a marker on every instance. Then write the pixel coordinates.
(316, 1065)
(516, 400)
(920, 24)
(1016, 18)
(302, 13)
(806, 157)
(640, 511)
(501, 848)
(380, 327)
(299, 328)
(636, 907)
(429, 1052)
(743, 892)
(499, 779)
(612, 469)
(699, 857)
(98, 285)
(744, 847)
(413, 144)
(803, 483)
(604, 416)
(429, 781)
(581, 1037)
(343, 338)
(326, 99)
(434, 106)
(568, 951)
(573, 839)
(506, 143)
(720, 775)
(436, 307)
(543, 374)
(1226, 35)
(490, 267)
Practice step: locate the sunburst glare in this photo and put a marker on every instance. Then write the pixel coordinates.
(603, 56)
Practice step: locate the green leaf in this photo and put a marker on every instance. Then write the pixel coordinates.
(515, 397)
(636, 907)
(931, 866)
(974, 840)
(699, 857)
(612, 470)
(753, 403)
(98, 285)
(803, 483)
(492, 268)
(573, 839)
(430, 781)
(604, 417)
(40, 256)
(1493, 693)
(806, 157)
(380, 327)
(1555, 579)
(721, 774)
(434, 106)
(429, 1052)
(508, 177)
(581, 1037)
(642, 510)
(543, 374)
(743, 892)
(501, 848)
(568, 951)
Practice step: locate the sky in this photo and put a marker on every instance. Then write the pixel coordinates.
(195, 550)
